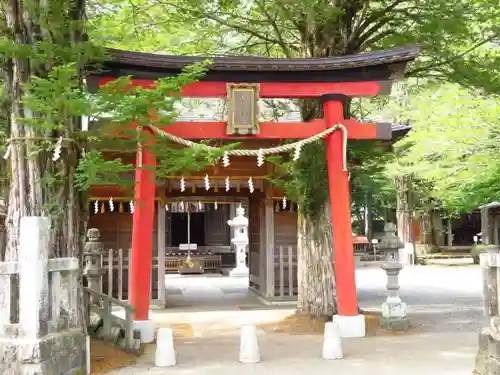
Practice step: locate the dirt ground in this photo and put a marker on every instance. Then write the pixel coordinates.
(105, 357)
(305, 325)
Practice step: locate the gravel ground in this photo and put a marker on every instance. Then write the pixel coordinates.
(440, 298)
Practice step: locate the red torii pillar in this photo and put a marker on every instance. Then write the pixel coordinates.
(351, 323)
(142, 241)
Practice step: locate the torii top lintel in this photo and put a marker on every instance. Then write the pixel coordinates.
(363, 74)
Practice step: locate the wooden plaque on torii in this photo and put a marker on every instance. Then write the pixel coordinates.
(243, 109)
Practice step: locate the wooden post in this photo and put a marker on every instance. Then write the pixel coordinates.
(485, 226)
(262, 245)
(340, 208)
(110, 272)
(450, 232)
(282, 272)
(290, 271)
(269, 254)
(232, 214)
(33, 277)
(161, 253)
(142, 234)
(120, 274)
(496, 227)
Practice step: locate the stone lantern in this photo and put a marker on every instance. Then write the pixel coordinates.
(94, 252)
(394, 317)
(239, 224)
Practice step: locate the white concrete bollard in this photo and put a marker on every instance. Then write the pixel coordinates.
(332, 344)
(165, 351)
(249, 345)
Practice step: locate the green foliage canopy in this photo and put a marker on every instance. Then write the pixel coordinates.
(454, 146)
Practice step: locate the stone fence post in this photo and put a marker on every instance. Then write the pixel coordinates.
(488, 355)
(48, 336)
(33, 277)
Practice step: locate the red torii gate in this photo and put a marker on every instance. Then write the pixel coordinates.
(333, 80)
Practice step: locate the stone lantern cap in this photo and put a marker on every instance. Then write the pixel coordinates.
(390, 242)
(93, 245)
(239, 220)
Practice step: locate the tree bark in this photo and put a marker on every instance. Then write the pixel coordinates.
(403, 209)
(316, 276)
(38, 185)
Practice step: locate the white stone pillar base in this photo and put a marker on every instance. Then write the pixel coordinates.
(165, 350)
(249, 345)
(147, 330)
(332, 343)
(351, 326)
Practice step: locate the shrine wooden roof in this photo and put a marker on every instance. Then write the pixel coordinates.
(369, 66)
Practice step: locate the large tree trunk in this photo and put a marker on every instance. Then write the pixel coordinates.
(316, 276)
(38, 185)
(404, 210)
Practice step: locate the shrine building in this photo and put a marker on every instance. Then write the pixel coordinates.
(171, 216)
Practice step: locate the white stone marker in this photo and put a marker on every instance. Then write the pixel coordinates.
(249, 345)
(165, 351)
(332, 344)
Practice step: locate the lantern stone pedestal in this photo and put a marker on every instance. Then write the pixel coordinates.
(394, 316)
(94, 264)
(240, 241)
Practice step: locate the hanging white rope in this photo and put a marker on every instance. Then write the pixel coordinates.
(260, 158)
(225, 159)
(265, 151)
(296, 152)
(206, 181)
(250, 185)
(57, 149)
(7, 152)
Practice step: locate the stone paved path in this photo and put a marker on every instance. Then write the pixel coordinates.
(430, 354)
(444, 301)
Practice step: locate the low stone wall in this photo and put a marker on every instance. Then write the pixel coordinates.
(41, 328)
(488, 355)
(61, 353)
